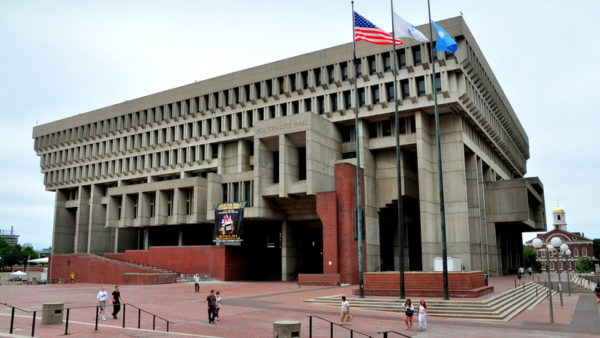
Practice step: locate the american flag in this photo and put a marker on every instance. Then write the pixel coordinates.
(365, 30)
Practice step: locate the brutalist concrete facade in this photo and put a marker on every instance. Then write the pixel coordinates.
(148, 172)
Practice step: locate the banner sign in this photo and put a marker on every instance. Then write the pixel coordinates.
(228, 222)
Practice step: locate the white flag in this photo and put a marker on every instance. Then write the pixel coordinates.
(403, 28)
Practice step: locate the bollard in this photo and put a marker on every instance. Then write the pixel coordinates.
(96, 326)
(139, 317)
(153, 322)
(124, 305)
(12, 320)
(67, 323)
(33, 324)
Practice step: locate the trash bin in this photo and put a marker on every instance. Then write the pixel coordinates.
(485, 279)
(52, 313)
(286, 329)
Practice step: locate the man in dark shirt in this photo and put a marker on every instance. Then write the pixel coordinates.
(212, 306)
(117, 300)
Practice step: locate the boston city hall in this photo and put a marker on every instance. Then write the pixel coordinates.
(139, 181)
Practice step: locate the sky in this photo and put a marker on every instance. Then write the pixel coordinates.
(62, 58)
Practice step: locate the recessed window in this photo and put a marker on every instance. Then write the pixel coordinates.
(438, 83)
(420, 85)
(375, 94)
(275, 167)
(404, 85)
(344, 67)
(417, 55)
(302, 163)
(387, 64)
(401, 55)
(372, 64)
(389, 89)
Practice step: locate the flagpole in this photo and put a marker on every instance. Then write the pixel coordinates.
(359, 214)
(439, 160)
(398, 162)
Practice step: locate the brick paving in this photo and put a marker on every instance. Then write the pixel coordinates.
(249, 308)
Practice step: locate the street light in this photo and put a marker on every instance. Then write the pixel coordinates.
(567, 255)
(557, 243)
(537, 243)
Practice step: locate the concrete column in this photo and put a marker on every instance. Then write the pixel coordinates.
(101, 235)
(82, 220)
(180, 237)
(146, 238)
(288, 252)
(63, 238)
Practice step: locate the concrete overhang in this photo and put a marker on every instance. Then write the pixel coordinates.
(516, 202)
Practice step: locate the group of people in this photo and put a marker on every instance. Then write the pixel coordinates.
(102, 298)
(409, 311)
(214, 305)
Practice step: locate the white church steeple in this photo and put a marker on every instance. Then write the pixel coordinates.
(560, 223)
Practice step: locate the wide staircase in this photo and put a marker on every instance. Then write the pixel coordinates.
(503, 306)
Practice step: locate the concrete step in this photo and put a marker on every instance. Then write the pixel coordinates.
(501, 307)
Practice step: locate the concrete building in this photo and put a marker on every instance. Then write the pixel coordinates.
(580, 246)
(148, 172)
(9, 236)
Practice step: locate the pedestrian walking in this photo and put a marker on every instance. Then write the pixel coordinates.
(597, 291)
(196, 283)
(520, 274)
(102, 296)
(117, 300)
(409, 312)
(218, 305)
(529, 271)
(422, 315)
(345, 309)
(212, 302)
(72, 277)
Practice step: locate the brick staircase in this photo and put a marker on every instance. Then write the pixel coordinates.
(503, 306)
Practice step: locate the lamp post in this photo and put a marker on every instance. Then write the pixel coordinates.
(537, 243)
(556, 242)
(567, 255)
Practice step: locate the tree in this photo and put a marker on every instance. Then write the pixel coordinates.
(529, 258)
(27, 254)
(584, 265)
(596, 244)
(12, 255)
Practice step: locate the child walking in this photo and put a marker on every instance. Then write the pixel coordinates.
(422, 315)
(345, 309)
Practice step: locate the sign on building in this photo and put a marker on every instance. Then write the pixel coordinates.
(228, 222)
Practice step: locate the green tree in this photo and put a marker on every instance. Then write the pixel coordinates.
(29, 253)
(585, 264)
(529, 258)
(3, 248)
(596, 244)
(12, 255)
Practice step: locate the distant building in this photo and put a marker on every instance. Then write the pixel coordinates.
(9, 236)
(578, 244)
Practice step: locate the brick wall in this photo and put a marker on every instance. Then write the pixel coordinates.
(333, 279)
(209, 260)
(95, 269)
(460, 284)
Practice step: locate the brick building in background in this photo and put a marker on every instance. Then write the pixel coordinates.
(580, 246)
(139, 180)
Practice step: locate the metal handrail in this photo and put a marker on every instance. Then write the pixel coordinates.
(140, 310)
(385, 334)
(331, 324)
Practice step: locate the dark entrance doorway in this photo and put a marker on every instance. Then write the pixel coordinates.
(309, 241)
(388, 236)
(261, 250)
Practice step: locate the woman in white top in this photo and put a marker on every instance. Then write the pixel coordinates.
(102, 296)
(422, 315)
(218, 306)
(345, 308)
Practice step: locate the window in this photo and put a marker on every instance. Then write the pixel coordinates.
(401, 55)
(387, 65)
(260, 114)
(334, 102)
(417, 55)
(330, 74)
(307, 105)
(386, 128)
(170, 195)
(358, 68)
(320, 104)
(275, 167)
(304, 76)
(302, 163)
(189, 201)
(152, 203)
(361, 97)
(438, 83)
(295, 107)
(347, 99)
(404, 85)
(248, 193)
(375, 94)
(347, 133)
(575, 252)
(449, 55)
(344, 66)
(389, 90)
(283, 109)
(214, 147)
(317, 73)
(584, 252)
(420, 85)
(235, 187)
(224, 192)
(543, 254)
(292, 82)
(372, 64)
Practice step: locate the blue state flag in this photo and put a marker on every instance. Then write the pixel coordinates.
(444, 42)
